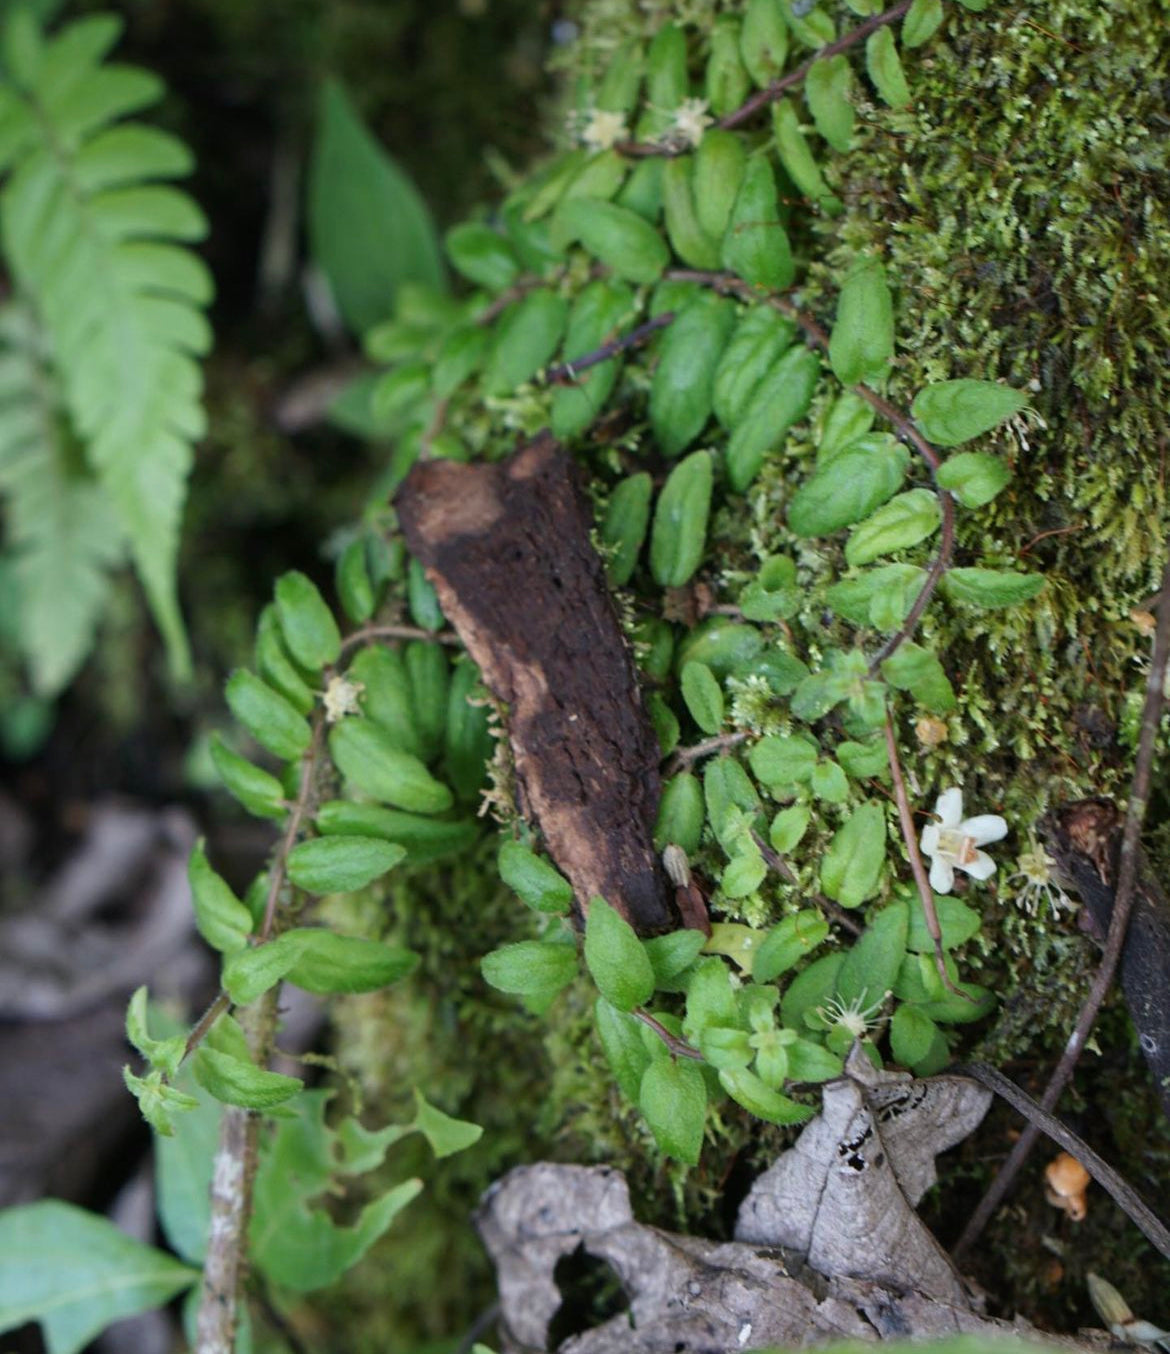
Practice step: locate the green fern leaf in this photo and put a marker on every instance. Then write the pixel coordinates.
(63, 533)
(94, 242)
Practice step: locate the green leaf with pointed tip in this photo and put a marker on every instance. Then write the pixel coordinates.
(852, 866)
(673, 1097)
(249, 973)
(991, 587)
(671, 954)
(871, 966)
(950, 412)
(159, 1102)
(621, 1042)
(530, 968)
(615, 958)
(974, 477)
(680, 814)
(526, 337)
(903, 521)
(755, 244)
(76, 1274)
(810, 1062)
(885, 68)
(482, 255)
(915, 669)
(236, 1082)
(341, 864)
(538, 883)
(957, 922)
(369, 230)
(163, 1054)
(730, 796)
(222, 920)
(445, 1135)
(827, 87)
(624, 529)
(811, 988)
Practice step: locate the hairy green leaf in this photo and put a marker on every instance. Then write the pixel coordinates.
(236, 1082)
(673, 1097)
(852, 866)
(537, 882)
(326, 962)
(904, 521)
(861, 345)
(849, 486)
(680, 521)
(368, 759)
(267, 716)
(991, 587)
(223, 921)
(341, 864)
(615, 958)
(951, 412)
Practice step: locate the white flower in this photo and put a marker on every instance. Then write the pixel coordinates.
(603, 129)
(688, 122)
(1036, 880)
(341, 698)
(952, 843)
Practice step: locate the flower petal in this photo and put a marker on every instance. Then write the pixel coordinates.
(949, 807)
(942, 877)
(982, 867)
(984, 828)
(929, 838)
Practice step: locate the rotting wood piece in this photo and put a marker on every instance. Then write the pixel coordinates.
(1085, 840)
(507, 548)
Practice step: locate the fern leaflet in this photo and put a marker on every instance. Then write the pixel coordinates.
(94, 239)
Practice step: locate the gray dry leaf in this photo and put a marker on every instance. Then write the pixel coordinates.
(828, 1245)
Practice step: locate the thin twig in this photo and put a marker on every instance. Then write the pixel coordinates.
(776, 862)
(1122, 906)
(206, 1020)
(295, 818)
(1125, 1196)
(567, 372)
(678, 1047)
(910, 837)
(685, 756)
(770, 93)
(369, 634)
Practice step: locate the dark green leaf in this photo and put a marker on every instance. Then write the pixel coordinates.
(341, 864)
(680, 521)
(538, 883)
(622, 1045)
(482, 255)
(223, 921)
(673, 1097)
(991, 587)
(615, 958)
(309, 628)
(788, 943)
(624, 529)
(680, 814)
(957, 922)
(861, 345)
(810, 988)
(368, 759)
(780, 400)
(915, 669)
(849, 486)
(368, 228)
(911, 1034)
(703, 696)
(669, 955)
(236, 1082)
(852, 866)
(526, 337)
(922, 21)
(425, 839)
(681, 387)
(327, 962)
(267, 716)
(755, 244)
(257, 790)
(885, 68)
(827, 88)
(782, 761)
(617, 237)
(530, 968)
(951, 412)
(871, 966)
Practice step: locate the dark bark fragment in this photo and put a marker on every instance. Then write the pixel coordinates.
(507, 548)
(1085, 840)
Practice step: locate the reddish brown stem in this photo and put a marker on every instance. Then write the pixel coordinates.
(567, 372)
(678, 1047)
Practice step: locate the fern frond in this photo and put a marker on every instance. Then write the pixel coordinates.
(95, 243)
(63, 534)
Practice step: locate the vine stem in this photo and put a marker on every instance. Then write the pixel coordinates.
(566, 372)
(917, 869)
(1118, 924)
(778, 88)
(678, 1047)
(729, 285)
(370, 633)
(295, 818)
(685, 756)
